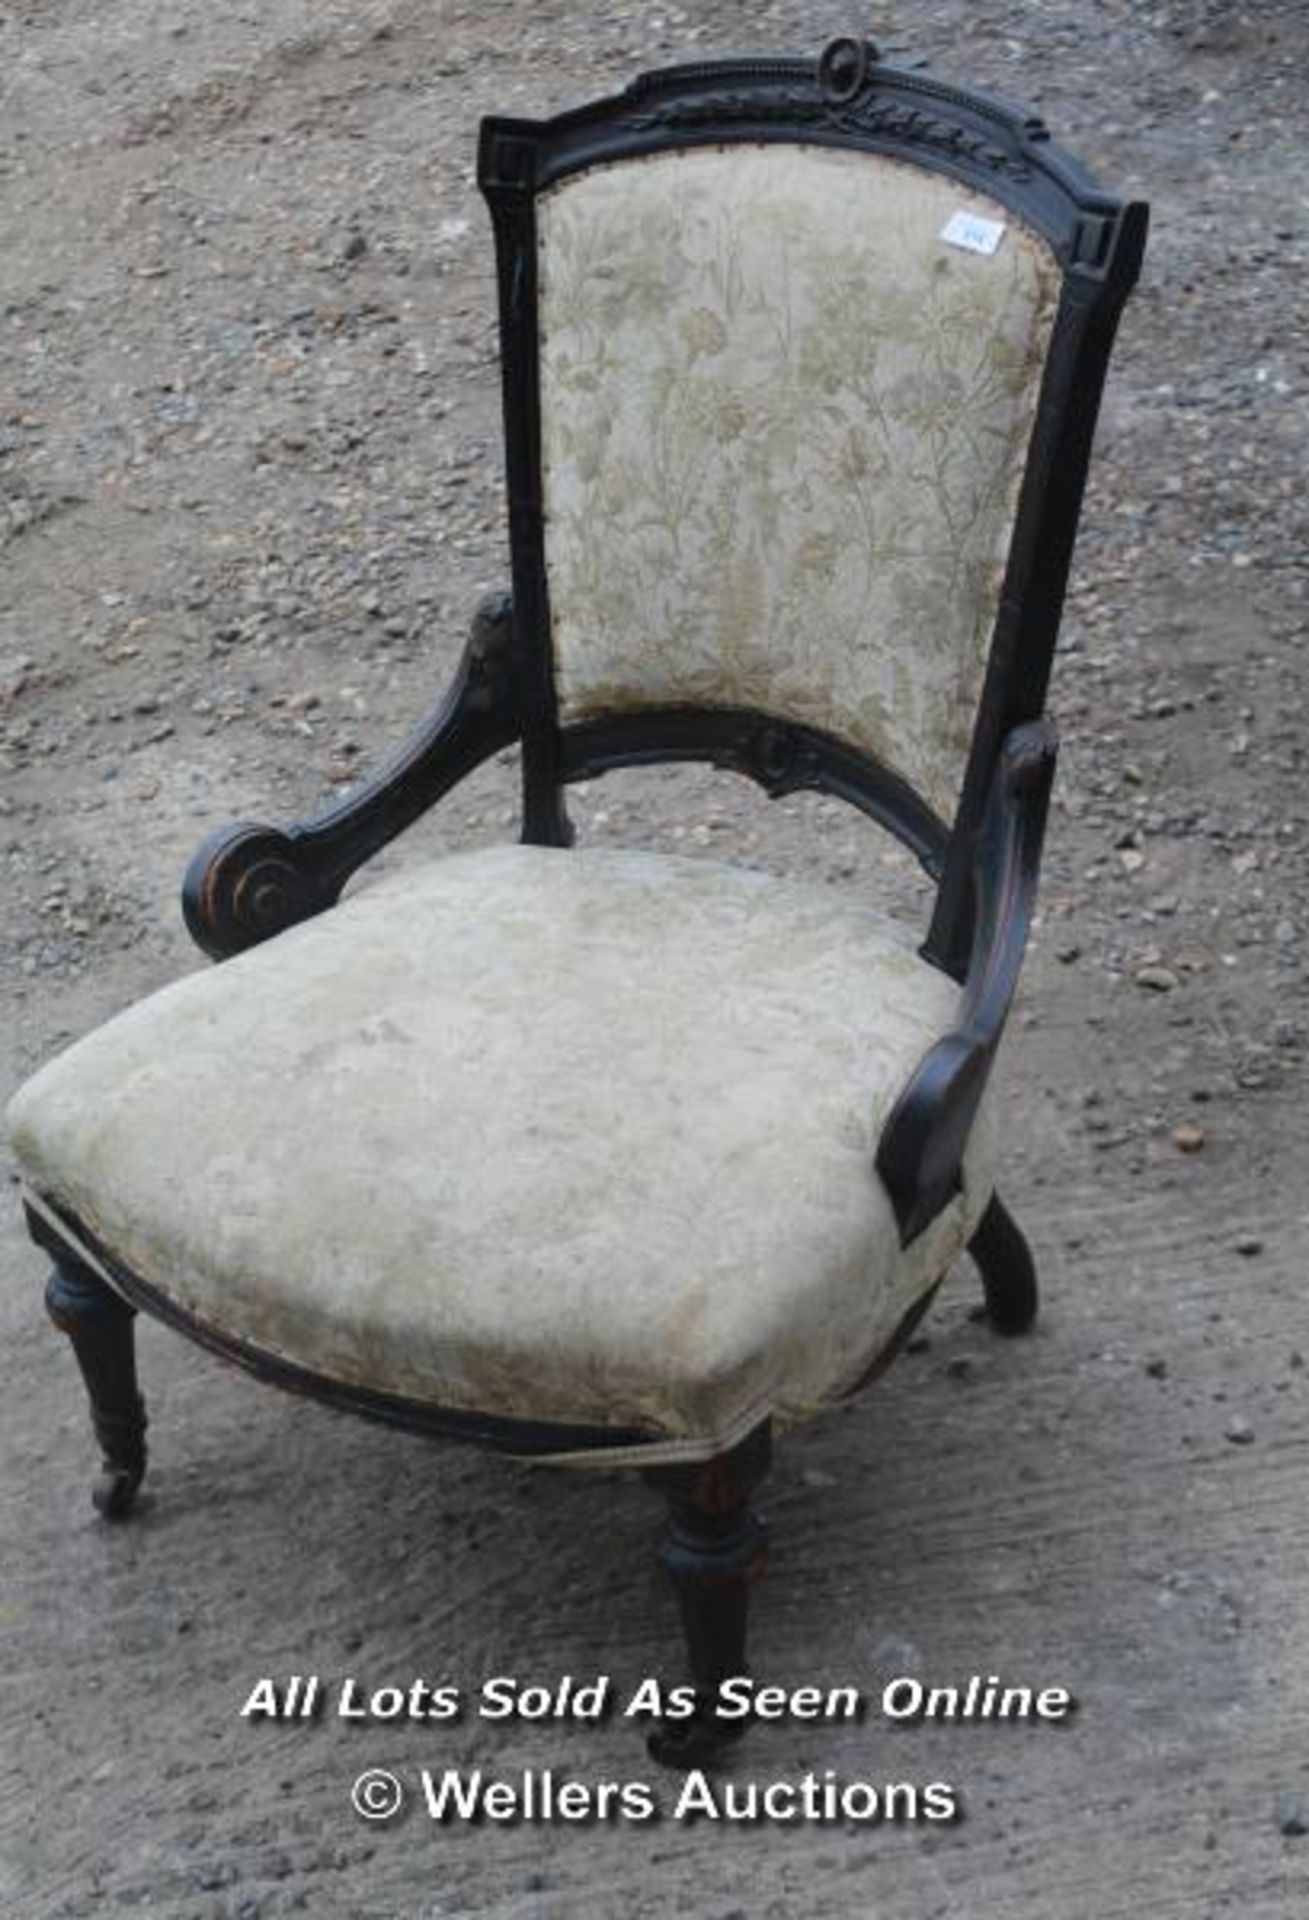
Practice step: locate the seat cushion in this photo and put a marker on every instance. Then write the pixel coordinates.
(561, 1136)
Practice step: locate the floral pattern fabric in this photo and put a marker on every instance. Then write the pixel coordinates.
(578, 1136)
(783, 430)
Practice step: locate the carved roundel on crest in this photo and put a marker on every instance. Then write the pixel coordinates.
(843, 68)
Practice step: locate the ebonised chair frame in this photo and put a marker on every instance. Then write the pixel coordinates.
(249, 882)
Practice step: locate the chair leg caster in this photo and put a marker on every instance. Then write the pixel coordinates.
(114, 1493)
(101, 1327)
(698, 1741)
(1004, 1260)
(712, 1546)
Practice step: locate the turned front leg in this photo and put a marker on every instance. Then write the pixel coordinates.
(101, 1326)
(712, 1546)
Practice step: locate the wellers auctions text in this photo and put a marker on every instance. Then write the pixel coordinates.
(451, 1796)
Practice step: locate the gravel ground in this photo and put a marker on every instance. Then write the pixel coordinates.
(250, 488)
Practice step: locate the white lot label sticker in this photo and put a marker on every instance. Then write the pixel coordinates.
(971, 232)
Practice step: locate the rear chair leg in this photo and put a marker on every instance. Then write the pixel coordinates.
(1004, 1261)
(713, 1545)
(101, 1327)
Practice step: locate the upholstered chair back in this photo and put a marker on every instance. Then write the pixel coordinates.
(786, 392)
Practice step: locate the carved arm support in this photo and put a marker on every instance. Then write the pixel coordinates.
(248, 882)
(920, 1154)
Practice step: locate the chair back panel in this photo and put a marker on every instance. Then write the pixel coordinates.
(783, 431)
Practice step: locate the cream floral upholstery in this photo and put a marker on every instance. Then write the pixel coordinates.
(783, 426)
(574, 1136)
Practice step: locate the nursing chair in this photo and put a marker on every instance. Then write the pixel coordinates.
(610, 1157)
